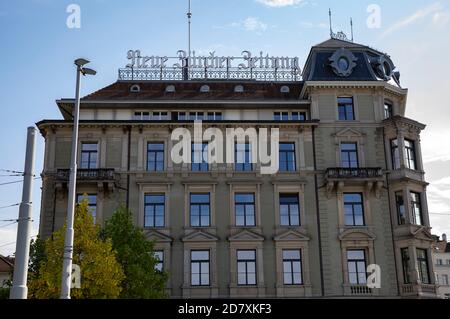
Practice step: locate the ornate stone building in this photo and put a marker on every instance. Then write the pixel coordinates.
(350, 191)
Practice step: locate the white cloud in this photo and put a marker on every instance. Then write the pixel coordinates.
(310, 25)
(280, 3)
(419, 14)
(441, 19)
(252, 24)
(435, 145)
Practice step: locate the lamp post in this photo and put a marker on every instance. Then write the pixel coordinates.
(68, 240)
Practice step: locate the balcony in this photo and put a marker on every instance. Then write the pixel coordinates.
(338, 177)
(104, 177)
(359, 290)
(418, 290)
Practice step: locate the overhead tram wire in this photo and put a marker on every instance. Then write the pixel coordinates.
(13, 205)
(7, 225)
(16, 182)
(13, 242)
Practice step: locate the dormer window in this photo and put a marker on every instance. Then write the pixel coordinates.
(204, 89)
(135, 88)
(238, 89)
(284, 89)
(170, 88)
(388, 110)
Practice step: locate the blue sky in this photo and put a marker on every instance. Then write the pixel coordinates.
(38, 49)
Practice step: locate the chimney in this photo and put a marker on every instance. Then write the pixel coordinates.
(444, 237)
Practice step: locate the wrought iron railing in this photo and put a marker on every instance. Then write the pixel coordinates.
(100, 174)
(367, 172)
(170, 74)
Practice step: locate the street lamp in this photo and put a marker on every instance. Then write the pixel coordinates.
(68, 240)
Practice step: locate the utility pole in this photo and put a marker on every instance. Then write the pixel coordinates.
(19, 289)
(66, 279)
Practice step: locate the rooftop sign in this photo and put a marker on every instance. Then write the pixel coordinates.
(261, 67)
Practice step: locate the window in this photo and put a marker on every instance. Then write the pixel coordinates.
(289, 210)
(204, 88)
(141, 116)
(159, 255)
(448, 261)
(244, 205)
(200, 210)
(196, 116)
(439, 262)
(405, 265)
(287, 157)
(215, 116)
(356, 262)
(445, 280)
(284, 89)
(89, 155)
(170, 88)
(92, 203)
(299, 116)
(181, 116)
(292, 267)
(281, 116)
(410, 155)
(238, 89)
(388, 111)
(200, 267)
(349, 155)
(401, 214)
(158, 116)
(422, 264)
(395, 154)
(155, 157)
(246, 264)
(135, 88)
(243, 157)
(199, 157)
(154, 209)
(416, 207)
(345, 109)
(353, 209)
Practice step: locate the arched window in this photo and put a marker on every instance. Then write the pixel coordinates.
(135, 88)
(204, 88)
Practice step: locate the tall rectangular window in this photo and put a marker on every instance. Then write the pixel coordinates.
(346, 109)
(289, 210)
(400, 203)
(246, 265)
(292, 267)
(92, 203)
(243, 157)
(200, 267)
(354, 209)
(416, 207)
(244, 205)
(395, 154)
(388, 110)
(410, 155)
(356, 263)
(155, 157)
(200, 210)
(287, 157)
(159, 255)
(199, 157)
(405, 265)
(181, 116)
(422, 265)
(349, 155)
(445, 280)
(89, 155)
(154, 210)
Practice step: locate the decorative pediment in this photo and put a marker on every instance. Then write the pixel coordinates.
(246, 235)
(348, 133)
(291, 235)
(158, 237)
(357, 234)
(199, 235)
(423, 233)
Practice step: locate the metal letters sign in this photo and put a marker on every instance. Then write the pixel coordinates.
(262, 67)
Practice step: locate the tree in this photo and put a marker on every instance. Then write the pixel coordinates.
(101, 274)
(135, 254)
(37, 256)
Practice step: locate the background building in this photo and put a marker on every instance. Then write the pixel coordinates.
(350, 191)
(441, 261)
(6, 270)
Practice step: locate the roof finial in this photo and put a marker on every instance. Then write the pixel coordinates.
(189, 15)
(351, 26)
(331, 26)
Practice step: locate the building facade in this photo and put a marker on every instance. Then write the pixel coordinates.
(350, 191)
(441, 261)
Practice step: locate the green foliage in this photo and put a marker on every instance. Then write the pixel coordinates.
(37, 256)
(4, 293)
(101, 274)
(135, 254)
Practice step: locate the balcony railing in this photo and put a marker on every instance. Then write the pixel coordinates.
(100, 174)
(416, 289)
(367, 172)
